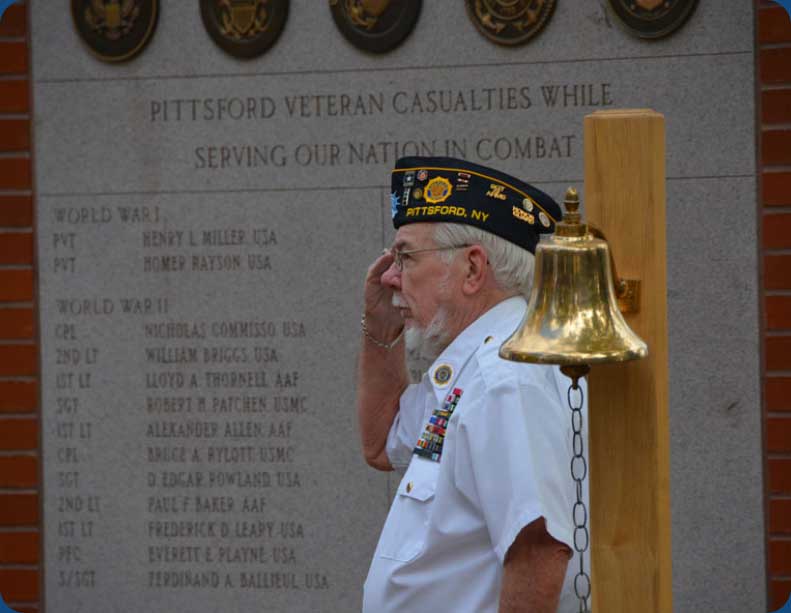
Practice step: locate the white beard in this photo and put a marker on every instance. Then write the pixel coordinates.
(431, 340)
(435, 337)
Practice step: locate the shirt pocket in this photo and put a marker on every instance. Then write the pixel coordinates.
(404, 535)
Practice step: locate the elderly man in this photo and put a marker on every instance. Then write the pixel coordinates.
(481, 521)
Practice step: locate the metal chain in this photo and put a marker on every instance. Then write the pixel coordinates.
(579, 512)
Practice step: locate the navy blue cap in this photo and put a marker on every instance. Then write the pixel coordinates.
(429, 189)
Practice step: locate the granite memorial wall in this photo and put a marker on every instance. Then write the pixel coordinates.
(204, 223)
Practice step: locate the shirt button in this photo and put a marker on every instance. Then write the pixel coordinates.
(408, 487)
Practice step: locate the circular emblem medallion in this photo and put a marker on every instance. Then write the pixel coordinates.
(527, 205)
(510, 22)
(375, 25)
(115, 30)
(244, 28)
(417, 193)
(653, 18)
(442, 375)
(438, 190)
(544, 219)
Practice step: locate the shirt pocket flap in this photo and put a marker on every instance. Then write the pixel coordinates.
(404, 535)
(418, 489)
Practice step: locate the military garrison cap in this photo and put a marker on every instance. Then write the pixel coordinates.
(429, 189)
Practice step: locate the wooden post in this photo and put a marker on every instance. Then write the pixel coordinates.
(628, 403)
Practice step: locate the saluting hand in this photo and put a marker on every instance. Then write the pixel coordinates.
(382, 319)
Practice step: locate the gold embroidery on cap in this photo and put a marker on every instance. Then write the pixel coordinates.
(520, 214)
(496, 191)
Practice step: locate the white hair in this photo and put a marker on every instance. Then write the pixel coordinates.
(512, 265)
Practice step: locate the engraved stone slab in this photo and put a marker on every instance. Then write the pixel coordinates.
(203, 229)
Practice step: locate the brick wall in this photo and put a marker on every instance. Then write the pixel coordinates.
(19, 418)
(774, 104)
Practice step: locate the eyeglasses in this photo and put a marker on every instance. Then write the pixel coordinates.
(399, 255)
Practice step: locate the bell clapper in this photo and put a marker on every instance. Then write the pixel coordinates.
(575, 372)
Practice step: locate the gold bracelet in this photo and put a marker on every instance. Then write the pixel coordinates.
(378, 343)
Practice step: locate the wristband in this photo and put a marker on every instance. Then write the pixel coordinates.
(379, 343)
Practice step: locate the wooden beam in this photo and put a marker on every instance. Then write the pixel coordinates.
(628, 403)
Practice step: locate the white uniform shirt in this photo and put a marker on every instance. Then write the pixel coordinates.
(504, 463)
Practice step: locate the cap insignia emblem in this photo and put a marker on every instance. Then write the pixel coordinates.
(438, 190)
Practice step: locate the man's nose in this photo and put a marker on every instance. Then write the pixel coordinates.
(392, 277)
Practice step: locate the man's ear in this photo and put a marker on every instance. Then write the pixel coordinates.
(476, 264)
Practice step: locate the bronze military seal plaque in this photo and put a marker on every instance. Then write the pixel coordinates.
(115, 30)
(244, 28)
(510, 22)
(375, 25)
(653, 18)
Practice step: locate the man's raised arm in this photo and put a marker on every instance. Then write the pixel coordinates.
(381, 372)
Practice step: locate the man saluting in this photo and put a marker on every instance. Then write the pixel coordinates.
(481, 521)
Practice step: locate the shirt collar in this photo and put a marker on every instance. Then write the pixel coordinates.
(494, 326)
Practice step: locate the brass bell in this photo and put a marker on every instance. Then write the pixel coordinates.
(572, 315)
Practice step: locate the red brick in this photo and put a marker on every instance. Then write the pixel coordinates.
(19, 585)
(14, 135)
(19, 509)
(14, 21)
(16, 248)
(779, 593)
(777, 391)
(778, 435)
(17, 324)
(780, 476)
(777, 231)
(16, 211)
(777, 271)
(776, 147)
(16, 285)
(18, 434)
(19, 548)
(14, 96)
(778, 312)
(13, 57)
(779, 557)
(775, 65)
(18, 471)
(776, 106)
(780, 516)
(18, 396)
(773, 25)
(778, 353)
(15, 173)
(776, 188)
(18, 360)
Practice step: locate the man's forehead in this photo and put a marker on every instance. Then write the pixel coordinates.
(414, 234)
